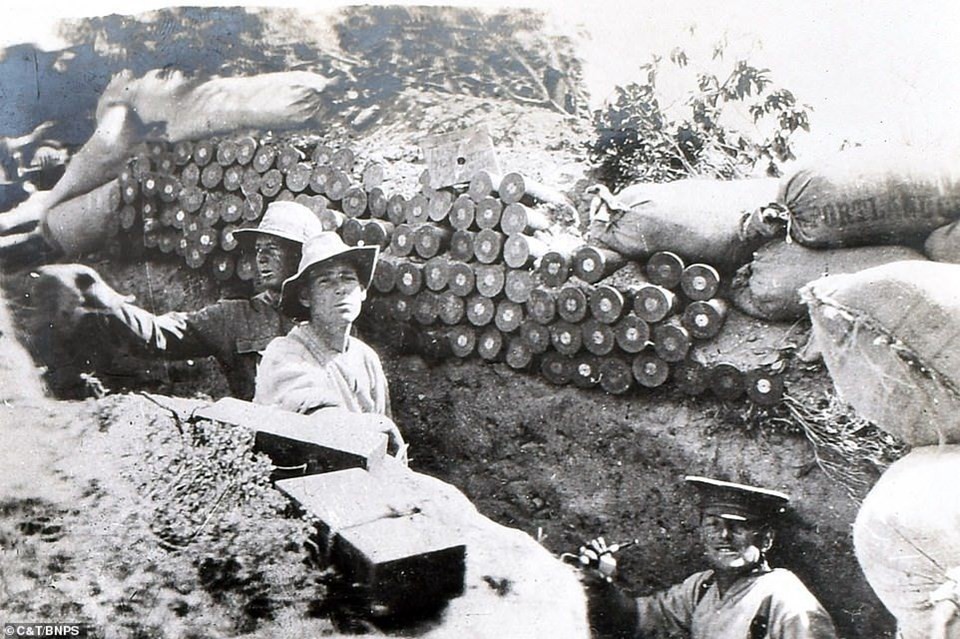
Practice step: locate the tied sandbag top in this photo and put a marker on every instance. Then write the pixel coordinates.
(915, 303)
(862, 196)
(711, 221)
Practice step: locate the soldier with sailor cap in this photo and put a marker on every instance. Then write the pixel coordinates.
(739, 597)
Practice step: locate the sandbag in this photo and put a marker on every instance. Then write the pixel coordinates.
(890, 337)
(187, 109)
(943, 245)
(866, 196)
(84, 223)
(712, 221)
(769, 287)
(907, 535)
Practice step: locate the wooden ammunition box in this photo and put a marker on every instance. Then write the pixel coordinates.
(329, 439)
(408, 564)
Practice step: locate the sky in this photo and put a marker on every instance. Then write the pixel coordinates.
(878, 71)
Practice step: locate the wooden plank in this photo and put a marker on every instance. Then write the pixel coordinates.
(454, 158)
(345, 498)
(328, 439)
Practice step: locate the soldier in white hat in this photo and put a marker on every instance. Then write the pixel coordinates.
(319, 364)
(234, 331)
(739, 597)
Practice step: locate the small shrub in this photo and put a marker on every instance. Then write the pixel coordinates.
(639, 138)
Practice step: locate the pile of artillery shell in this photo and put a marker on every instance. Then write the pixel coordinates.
(479, 272)
(188, 199)
(476, 271)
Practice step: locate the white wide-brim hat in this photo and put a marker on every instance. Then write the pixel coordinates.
(321, 248)
(287, 220)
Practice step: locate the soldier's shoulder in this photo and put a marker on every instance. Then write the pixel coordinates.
(363, 347)
(789, 589)
(256, 304)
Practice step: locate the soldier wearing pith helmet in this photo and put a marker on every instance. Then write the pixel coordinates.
(739, 596)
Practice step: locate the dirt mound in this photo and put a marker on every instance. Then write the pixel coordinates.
(106, 549)
(540, 143)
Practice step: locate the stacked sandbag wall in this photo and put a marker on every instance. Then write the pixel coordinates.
(885, 321)
(889, 337)
(860, 208)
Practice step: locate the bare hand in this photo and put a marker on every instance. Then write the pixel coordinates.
(46, 157)
(395, 442)
(598, 554)
(30, 211)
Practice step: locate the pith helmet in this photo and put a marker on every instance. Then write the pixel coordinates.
(287, 220)
(737, 502)
(321, 248)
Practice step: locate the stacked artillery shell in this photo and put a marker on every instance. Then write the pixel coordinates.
(475, 271)
(506, 289)
(191, 196)
(470, 259)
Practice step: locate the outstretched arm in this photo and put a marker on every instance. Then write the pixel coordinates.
(97, 162)
(65, 293)
(610, 611)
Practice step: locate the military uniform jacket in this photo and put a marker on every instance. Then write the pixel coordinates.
(766, 604)
(234, 332)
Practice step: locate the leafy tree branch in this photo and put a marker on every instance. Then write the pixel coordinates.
(709, 134)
